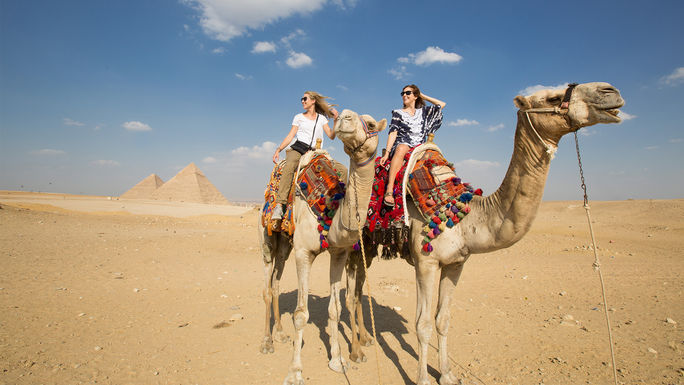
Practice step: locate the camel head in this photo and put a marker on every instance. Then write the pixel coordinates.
(359, 133)
(590, 103)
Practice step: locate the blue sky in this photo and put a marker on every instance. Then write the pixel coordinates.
(97, 95)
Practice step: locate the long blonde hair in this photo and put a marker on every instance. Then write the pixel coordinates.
(322, 106)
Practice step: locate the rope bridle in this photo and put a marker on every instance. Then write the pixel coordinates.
(369, 134)
(562, 109)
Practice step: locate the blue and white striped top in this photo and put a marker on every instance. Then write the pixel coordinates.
(413, 130)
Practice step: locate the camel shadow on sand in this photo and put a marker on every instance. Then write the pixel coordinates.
(387, 320)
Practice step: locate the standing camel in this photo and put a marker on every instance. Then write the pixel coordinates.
(499, 220)
(359, 135)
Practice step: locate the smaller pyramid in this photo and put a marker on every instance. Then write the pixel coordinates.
(189, 185)
(144, 188)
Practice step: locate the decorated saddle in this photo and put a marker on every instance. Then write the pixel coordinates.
(317, 182)
(435, 189)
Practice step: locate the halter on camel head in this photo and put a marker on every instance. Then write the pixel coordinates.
(369, 134)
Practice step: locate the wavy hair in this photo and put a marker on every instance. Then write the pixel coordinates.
(322, 106)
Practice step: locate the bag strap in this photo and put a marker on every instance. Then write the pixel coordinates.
(313, 135)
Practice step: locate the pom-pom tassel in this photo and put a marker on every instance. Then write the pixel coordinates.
(357, 246)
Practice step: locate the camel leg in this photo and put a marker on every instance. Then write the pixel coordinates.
(338, 258)
(304, 259)
(267, 251)
(426, 274)
(283, 253)
(447, 283)
(352, 302)
(365, 337)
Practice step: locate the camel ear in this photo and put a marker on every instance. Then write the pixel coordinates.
(378, 126)
(521, 102)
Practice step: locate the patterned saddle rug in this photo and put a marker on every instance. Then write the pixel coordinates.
(318, 182)
(436, 191)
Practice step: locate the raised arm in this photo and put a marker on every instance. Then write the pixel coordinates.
(329, 131)
(434, 101)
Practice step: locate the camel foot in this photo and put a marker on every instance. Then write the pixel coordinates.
(281, 337)
(449, 379)
(267, 345)
(294, 377)
(366, 341)
(338, 365)
(358, 357)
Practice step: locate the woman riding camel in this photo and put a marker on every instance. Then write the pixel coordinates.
(410, 127)
(306, 127)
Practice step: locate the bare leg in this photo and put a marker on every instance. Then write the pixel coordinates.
(426, 274)
(447, 283)
(395, 165)
(338, 258)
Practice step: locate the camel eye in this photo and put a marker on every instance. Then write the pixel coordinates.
(554, 99)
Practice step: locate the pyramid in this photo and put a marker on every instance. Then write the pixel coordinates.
(144, 188)
(189, 185)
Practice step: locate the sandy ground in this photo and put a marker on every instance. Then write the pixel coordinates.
(102, 291)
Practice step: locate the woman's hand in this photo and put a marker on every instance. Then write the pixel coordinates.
(276, 156)
(334, 112)
(384, 158)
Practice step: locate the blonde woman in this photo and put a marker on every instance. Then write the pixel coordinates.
(306, 127)
(410, 127)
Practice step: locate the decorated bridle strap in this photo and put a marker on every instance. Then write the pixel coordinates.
(365, 128)
(568, 94)
(372, 157)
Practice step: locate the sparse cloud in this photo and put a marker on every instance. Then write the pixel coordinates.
(399, 72)
(243, 77)
(478, 164)
(136, 126)
(675, 78)
(263, 47)
(261, 151)
(676, 140)
(285, 40)
(47, 152)
(586, 131)
(651, 148)
(224, 20)
(431, 55)
(218, 51)
(298, 60)
(341, 87)
(625, 116)
(210, 159)
(71, 122)
(105, 163)
(496, 127)
(532, 89)
(463, 122)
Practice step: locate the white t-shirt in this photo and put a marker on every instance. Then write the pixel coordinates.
(306, 128)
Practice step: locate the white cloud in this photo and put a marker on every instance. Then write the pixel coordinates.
(675, 78)
(71, 122)
(225, 19)
(495, 127)
(263, 47)
(262, 151)
(431, 55)
(463, 122)
(298, 60)
(474, 163)
(105, 163)
(586, 131)
(532, 89)
(48, 152)
(136, 126)
(210, 159)
(650, 148)
(676, 140)
(399, 72)
(625, 116)
(343, 88)
(285, 40)
(218, 51)
(243, 77)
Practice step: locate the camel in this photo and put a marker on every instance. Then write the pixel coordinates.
(501, 219)
(359, 135)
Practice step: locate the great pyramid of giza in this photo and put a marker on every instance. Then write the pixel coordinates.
(189, 185)
(144, 188)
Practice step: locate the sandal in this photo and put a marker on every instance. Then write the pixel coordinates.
(388, 202)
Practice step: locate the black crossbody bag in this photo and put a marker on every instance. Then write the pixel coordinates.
(302, 147)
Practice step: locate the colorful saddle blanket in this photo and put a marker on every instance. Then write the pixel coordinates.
(318, 182)
(437, 192)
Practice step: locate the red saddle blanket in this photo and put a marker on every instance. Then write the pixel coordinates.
(318, 182)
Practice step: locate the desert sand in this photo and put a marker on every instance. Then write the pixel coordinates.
(100, 290)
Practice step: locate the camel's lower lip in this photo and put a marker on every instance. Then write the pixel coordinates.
(613, 111)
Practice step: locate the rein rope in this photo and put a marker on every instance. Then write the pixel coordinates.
(596, 264)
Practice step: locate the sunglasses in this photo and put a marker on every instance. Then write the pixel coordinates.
(406, 93)
(305, 98)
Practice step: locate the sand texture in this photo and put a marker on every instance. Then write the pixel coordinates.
(107, 291)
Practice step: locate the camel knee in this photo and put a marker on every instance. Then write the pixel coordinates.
(442, 324)
(300, 318)
(268, 295)
(424, 329)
